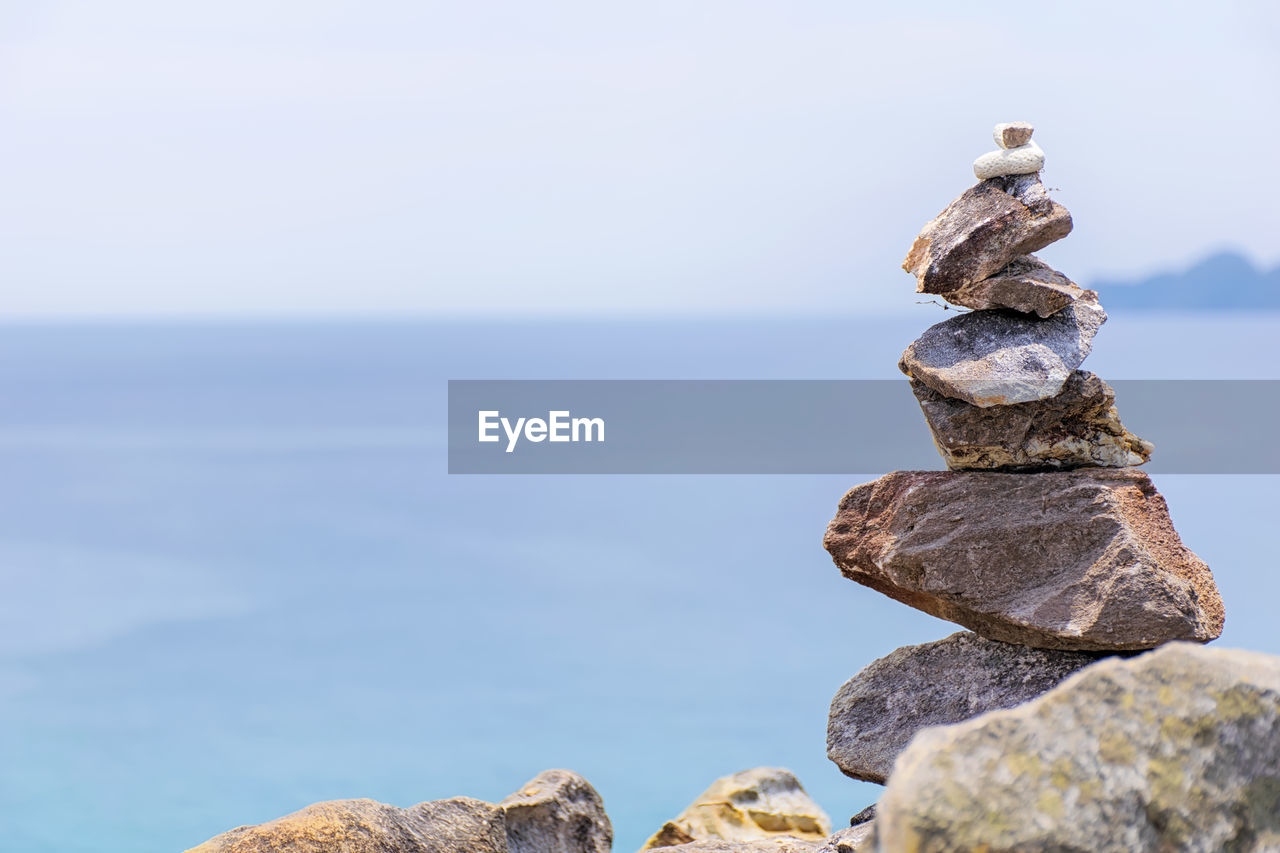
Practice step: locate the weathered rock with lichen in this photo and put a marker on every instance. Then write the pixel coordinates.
(1027, 285)
(875, 713)
(557, 811)
(365, 826)
(1076, 428)
(1085, 559)
(1178, 749)
(984, 229)
(1000, 358)
(760, 804)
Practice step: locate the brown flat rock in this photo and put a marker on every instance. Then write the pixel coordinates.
(983, 230)
(1027, 285)
(1085, 559)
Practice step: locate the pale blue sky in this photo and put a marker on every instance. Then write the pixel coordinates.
(396, 158)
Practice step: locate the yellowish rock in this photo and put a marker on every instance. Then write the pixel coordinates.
(760, 804)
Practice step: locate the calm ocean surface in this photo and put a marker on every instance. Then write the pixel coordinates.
(235, 578)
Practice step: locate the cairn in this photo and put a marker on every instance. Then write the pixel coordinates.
(1042, 538)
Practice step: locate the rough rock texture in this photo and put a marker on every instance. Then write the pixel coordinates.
(772, 845)
(984, 229)
(998, 358)
(1084, 559)
(365, 826)
(1178, 749)
(877, 712)
(1011, 134)
(1024, 160)
(867, 814)
(1078, 427)
(757, 804)
(557, 812)
(855, 839)
(1027, 285)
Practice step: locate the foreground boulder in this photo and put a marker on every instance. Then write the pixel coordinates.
(880, 709)
(365, 826)
(998, 358)
(1178, 749)
(989, 225)
(1077, 427)
(556, 812)
(1084, 559)
(763, 804)
(1027, 285)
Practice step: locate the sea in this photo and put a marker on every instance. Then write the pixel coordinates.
(236, 577)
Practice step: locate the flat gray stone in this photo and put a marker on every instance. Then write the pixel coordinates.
(999, 358)
(1085, 559)
(1027, 285)
(1178, 749)
(984, 229)
(877, 712)
(1078, 427)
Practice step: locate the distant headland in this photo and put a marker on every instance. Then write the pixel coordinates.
(1226, 281)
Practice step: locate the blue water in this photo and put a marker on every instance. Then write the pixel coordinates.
(235, 578)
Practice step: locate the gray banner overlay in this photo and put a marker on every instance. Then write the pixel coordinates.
(809, 426)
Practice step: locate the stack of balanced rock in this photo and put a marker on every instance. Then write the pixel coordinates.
(1042, 539)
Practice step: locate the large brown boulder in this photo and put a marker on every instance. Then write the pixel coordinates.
(1084, 559)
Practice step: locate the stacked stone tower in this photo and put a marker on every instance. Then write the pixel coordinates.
(1042, 538)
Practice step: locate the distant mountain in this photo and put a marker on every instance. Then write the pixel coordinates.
(1222, 282)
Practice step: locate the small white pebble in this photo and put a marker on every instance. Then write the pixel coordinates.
(1023, 160)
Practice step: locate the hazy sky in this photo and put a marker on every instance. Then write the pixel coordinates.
(397, 157)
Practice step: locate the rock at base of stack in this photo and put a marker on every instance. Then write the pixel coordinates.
(1085, 560)
(877, 712)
